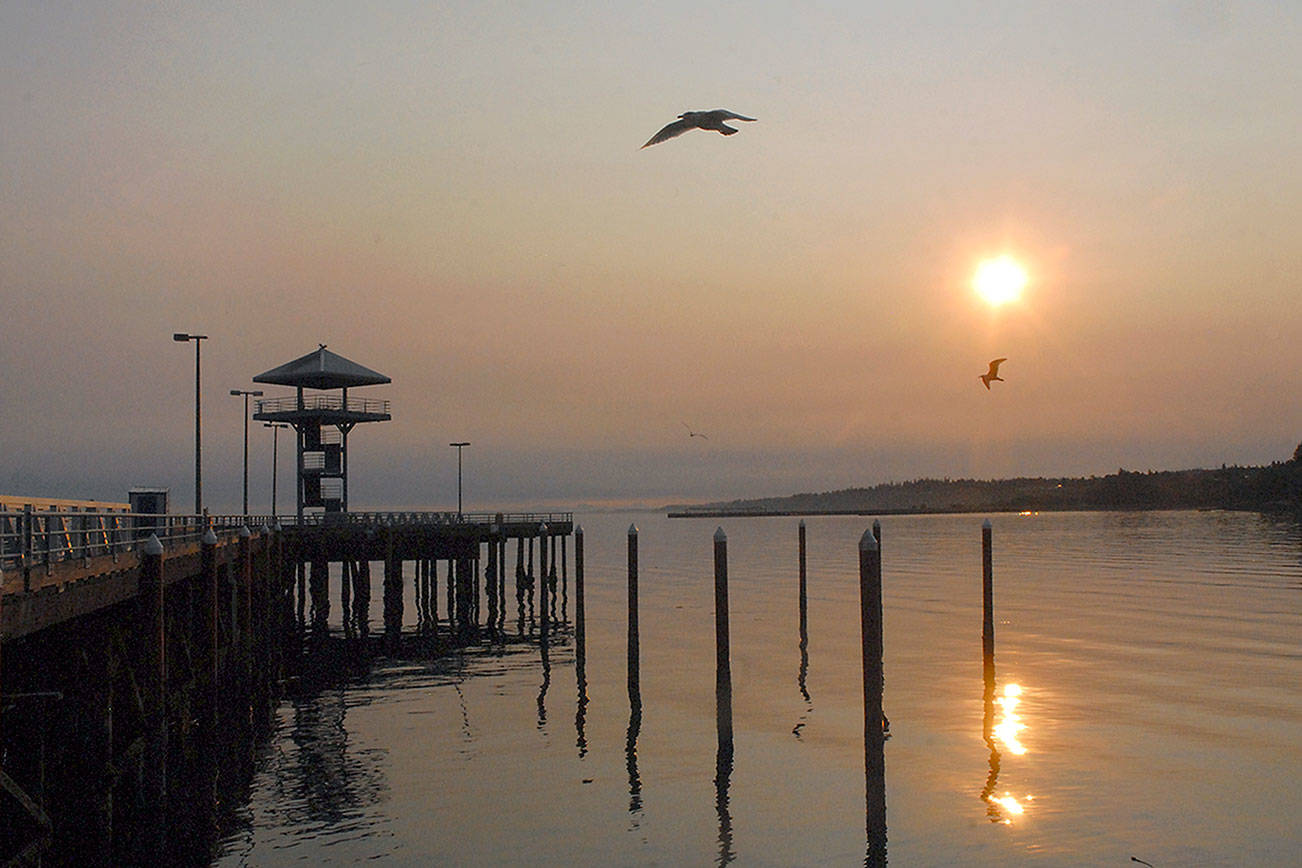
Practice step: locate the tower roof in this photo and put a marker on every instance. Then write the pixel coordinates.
(322, 369)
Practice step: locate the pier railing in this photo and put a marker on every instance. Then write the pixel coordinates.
(34, 538)
(389, 518)
(335, 403)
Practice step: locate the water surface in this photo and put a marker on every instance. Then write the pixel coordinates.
(1145, 703)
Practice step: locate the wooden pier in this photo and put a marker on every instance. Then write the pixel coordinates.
(142, 654)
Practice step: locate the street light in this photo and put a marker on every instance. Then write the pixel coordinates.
(182, 337)
(275, 436)
(458, 446)
(257, 393)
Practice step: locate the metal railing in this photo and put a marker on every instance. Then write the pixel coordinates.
(391, 518)
(33, 538)
(43, 538)
(333, 403)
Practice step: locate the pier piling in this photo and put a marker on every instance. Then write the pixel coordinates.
(722, 661)
(870, 611)
(804, 607)
(362, 600)
(319, 589)
(544, 618)
(153, 700)
(634, 666)
(874, 720)
(580, 639)
(210, 603)
(392, 600)
(987, 595)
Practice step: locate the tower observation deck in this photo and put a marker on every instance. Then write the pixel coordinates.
(322, 421)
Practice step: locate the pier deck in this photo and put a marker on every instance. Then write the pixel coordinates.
(57, 565)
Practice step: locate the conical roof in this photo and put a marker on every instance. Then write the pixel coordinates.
(322, 369)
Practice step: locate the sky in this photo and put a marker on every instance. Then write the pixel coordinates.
(454, 194)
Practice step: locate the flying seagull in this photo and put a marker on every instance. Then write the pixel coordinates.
(992, 374)
(691, 433)
(712, 120)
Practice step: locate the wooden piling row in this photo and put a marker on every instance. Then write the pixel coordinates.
(128, 726)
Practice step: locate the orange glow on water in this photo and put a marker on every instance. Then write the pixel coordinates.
(1008, 728)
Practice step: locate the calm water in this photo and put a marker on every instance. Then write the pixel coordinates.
(1158, 657)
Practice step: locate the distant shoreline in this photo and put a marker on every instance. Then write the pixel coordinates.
(1276, 487)
(1003, 510)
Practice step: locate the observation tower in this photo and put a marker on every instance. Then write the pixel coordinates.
(322, 421)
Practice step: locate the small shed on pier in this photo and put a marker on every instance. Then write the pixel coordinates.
(322, 421)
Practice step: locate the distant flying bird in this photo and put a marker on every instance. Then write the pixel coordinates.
(712, 120)
(992, 374)
(691, 433)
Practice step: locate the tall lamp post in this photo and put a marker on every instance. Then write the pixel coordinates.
(183, 337)
(275, 435)
(458, 447)
(257, 393)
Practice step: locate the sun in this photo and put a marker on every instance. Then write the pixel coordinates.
(999, 280)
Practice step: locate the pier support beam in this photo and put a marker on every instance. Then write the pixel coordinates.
(245, 643)
(490, 580)
(392, 600)
(319, 581)
(544, 607)
(153, 689)
(465, 602)
(97, 716)
(346, 597)
(362, 600)
(286, 626)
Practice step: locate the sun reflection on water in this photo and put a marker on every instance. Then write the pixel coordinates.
(1001, 809)
(1008, 728)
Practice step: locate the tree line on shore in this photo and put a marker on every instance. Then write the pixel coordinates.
(1276, 486)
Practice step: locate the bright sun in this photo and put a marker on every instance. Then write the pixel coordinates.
(999, 280)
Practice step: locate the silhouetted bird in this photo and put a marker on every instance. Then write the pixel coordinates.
(993, 373)
(712, 120)
(691, 433)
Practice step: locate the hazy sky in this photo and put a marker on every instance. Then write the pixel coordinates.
(453, 194)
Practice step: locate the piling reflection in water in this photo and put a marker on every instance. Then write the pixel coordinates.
(875, 797)
(546, 678)
(630, 754)
(328, 783)
(722, 780)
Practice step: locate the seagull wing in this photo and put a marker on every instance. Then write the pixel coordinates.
(725, 115)
(677, 128)
(994, 367)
